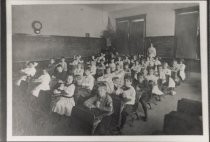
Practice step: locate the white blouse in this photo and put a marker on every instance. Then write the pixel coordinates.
(69, 90)
(29, 71)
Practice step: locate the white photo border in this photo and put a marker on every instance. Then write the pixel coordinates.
(160, 138)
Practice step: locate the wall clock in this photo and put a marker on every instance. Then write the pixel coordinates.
(37, 26)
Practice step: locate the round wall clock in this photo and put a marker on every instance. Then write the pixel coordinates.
(37, 26)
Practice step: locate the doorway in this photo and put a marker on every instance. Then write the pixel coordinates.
(131, 34)
(187, 33)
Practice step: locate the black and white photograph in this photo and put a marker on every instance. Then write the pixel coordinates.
(107, 70)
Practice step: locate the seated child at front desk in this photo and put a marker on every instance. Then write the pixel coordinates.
(63, 100)
(128, 96)
(100, 104)
(107, 78)
(143, 94)
(85, 86)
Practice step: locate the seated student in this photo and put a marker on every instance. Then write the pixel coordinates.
(112, 65)
(42, 83)
(51, 66)
(88, 80)
(182, 70)
(27, 72)
(144, 72)
(153, 79)
(79, 59)
(93, 59)
(63, 64)
(151, 62)
(161, 75)
(101, 57)
(74, 62)
(127, 70)
(157, 63)
(65, 102)
(120, 62)
(136, 69)
(143, 63)
(119, 73)
(170, 82)
(135, 58)
(116, 54)
(100, 104)
(126, 60)
(117, 90)
(100, 67)
(112, 55)
(59, 74)
(147, 61)
(79, 70)
(140, 56)
(174, 71)
(132, 62)
(107, 77)
(128, 96)
(93, 68)
(143, 94)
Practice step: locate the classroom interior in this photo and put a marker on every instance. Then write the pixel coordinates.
(82, 29)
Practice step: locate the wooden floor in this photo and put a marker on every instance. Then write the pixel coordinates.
(36, 121)
(191, 89)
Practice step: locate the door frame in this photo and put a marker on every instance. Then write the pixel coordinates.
(130, 18)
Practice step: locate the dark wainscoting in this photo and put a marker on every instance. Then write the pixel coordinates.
(38, 47)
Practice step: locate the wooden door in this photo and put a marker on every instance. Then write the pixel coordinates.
(136, 36)
(122, 37)
(131, 34)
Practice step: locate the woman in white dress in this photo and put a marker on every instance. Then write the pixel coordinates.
(151, 51)
(65, 103)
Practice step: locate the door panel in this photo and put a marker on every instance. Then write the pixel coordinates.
(130, 35)
(136, 38)
(122, 37)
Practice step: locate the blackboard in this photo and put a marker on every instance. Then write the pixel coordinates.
(37, 48)
(165, 45)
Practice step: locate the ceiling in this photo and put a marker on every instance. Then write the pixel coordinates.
(123, 6)
(114, 7)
